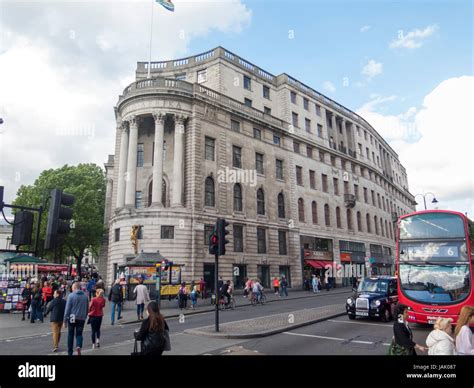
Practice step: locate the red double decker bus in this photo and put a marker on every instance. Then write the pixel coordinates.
(435, 264)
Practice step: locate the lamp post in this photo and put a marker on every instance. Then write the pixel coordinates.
(424, 198)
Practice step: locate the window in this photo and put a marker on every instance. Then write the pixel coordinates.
(209, 149)
(367, 220)
(321, 156)
(376, 225)
(247, 83)
(276, 140)
(208, 231)
(201, 76)
(279, 169)
(282, 243)
(260, 202)
(235, 125)
(343, 164)
(236, 157)
(309, 152)
(373, 197)
(261, 240)
(338, 217)
(266, 92)
(305, 103)
(248, 102)
(138, 200)
(281, 205)
(238, 198)
(353, 168)
(140, 155)
(314, 212)
(381, 228)
(117, 234)
(209, 196)
(335, 182)
(238, 231)
(367, 152)
(307, 125)
(296, 146)
(259, 163)
(365, 134)
(267, 110)
(325, 182)
(318, 110)
(349, 219)
(329, 119)
(356, 191)
(293, 97)
(294, 119)
(359, 222)
(300, 210)
(366, 198)
(167, 232)
(360, 148)
(327, 216)
(371, 140)
(257, 133)
(312, 179)
(320, 130)
(346, 188)
(299, 175)
(333, 161)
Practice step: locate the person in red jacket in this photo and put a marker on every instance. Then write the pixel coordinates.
(47, 294)
(96, 312)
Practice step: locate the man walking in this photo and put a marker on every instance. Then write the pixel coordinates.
(142, 297)
(56, 308)
(283, 286)
(116, 298)
(75, 317)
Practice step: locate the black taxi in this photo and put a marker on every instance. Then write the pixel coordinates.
(375, 297)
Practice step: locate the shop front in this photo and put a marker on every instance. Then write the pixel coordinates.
(352, 256)
(316, 255)
(381, 261)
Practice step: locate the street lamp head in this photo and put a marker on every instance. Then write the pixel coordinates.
(434, 200)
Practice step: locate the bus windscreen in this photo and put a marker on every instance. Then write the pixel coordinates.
(432, 226)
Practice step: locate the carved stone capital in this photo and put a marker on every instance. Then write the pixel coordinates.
(159, 117)
(132, 120)
(180, 119)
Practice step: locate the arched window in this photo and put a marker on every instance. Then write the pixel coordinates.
(367, 220)
(349, 219)
(314, 212)
(209, 197)
(359, 222)
(150, 193)
(281, 205)
(163, 193)
(376, 225)
(387, 231)
(260, 202)
(238, 198)
(381, 228)
(301, 210)
(327, 216)
(338, 217)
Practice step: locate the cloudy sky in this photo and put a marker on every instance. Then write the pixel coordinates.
(405, 67)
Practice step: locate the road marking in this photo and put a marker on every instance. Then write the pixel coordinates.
(359, 323)
(335, 339)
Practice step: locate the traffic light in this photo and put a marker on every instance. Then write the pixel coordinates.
(22, 228)
(221, 233)
(213, 243)
(58, 217)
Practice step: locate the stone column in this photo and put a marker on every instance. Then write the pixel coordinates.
(158, 160)
(343, 136)
(108, 201)
(335, 130)
(122, 166)
(178, 161)
(131, 177)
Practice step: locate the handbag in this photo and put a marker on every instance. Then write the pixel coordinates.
(398, 350)
(135, 349)
(167, 347)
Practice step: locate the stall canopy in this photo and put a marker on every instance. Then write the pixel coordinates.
(24, 259)
(146, 258)
(318, 263)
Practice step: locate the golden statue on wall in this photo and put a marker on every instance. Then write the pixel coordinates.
(134, 237)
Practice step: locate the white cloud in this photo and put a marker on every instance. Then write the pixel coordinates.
(434, 142)
(372, 69)
(62, 73)
(414, 39)
(329, 86)
(365, 28)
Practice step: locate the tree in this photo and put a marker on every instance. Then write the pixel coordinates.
(87, 183)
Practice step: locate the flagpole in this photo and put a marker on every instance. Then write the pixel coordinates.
(151, 39)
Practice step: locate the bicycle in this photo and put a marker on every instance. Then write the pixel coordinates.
(254, 300)
(223, 301)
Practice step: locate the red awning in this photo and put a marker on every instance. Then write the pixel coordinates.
(318, 263)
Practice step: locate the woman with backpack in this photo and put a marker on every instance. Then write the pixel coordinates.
(152, 332)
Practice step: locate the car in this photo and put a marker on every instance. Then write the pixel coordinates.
(375, 297)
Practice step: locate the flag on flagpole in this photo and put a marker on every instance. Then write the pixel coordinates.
(168, 4)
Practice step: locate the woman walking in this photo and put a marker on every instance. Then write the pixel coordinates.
(142, 297)
(194, 297)
(276, 286)
(439, 341)
(96, 312)
(402, 341)
(152, 332)
(463, 333)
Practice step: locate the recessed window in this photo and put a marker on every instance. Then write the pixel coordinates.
(321, 156)
(208, 231)
(279, 169)
(238, 232)
(309, 151)
(266, 92)
(281, 205)
(312, 179)
(167, 232)
(305, 103)
(140, 155)
(318, 110)
(209, 197)
(235, 125)
(320, 130)
(236, 157)
(260, 202)
(282, 242)
(324, 178)
(267, 110)
(307, 125)
(201, 76)
(296, 147)
(261, 240)
(210, 150)
(248, 102)
(247, 83)
(257, 133)
(294, 119)
(117, 234)
(293, 97)
(299, 175)
(238, 200)
(259, 163)
(335, 182)
(276, 140)
(333, 161)
(138, 200)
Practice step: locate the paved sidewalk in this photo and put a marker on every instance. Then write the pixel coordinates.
(271, 324)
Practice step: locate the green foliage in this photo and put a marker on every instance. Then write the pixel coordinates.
(87, 183)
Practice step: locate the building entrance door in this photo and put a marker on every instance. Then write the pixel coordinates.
(209, 271)
(239, 272)
(263, 273)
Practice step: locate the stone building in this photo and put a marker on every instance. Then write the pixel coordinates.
(302, 179)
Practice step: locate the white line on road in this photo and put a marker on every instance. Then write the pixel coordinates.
(334, 338)
(359, 323)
